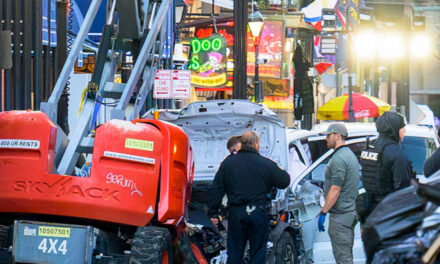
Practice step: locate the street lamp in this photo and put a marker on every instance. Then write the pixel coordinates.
(256, 23)
(180, 11)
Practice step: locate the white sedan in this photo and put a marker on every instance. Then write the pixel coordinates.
(308, 149)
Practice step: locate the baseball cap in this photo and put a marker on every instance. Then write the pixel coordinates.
(336, 128)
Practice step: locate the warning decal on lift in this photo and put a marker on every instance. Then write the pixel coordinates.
(129, 157)
(19, 143)
(139, 144)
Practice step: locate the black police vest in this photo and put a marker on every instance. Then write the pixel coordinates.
(373, 180)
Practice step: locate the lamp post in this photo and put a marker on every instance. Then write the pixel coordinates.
(180, 11)
(256, 23)
(351, 117)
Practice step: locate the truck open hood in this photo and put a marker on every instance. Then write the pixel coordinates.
(210, 124)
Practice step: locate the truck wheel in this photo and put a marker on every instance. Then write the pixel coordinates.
(285, 249)
(151, 245)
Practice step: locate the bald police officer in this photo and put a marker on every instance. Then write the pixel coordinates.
(246, 178)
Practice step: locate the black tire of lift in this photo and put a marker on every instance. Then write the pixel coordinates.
(149, 244)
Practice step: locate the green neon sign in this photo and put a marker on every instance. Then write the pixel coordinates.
(217, 44)
(208, 57)
(195, 64)
(208, 44)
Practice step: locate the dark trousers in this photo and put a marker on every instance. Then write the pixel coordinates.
(242, 228)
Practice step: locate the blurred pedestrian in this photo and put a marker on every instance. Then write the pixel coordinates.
(246, 178)
(341, 190)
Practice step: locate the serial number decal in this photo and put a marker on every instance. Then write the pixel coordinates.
(129, 157)
(19, 143)
(51, 231)
(139, 144)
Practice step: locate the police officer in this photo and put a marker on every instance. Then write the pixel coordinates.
(341, 190)
(246, 178)
(233, 145)
(391, 170)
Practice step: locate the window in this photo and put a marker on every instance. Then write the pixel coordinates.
(418, 149)
(318, 173)
(317, 148)
(296, 162)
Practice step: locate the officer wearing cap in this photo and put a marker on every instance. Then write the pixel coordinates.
(395, 170)
(340, 190)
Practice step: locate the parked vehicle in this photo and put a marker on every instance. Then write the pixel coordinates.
(304, 153)
(208, 126)
(418, 144)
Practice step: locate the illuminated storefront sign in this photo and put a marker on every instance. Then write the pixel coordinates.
(227, 32)
(208, 61)
(270, 50)
(209, 81)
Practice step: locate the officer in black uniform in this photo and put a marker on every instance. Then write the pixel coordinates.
(390, 169)
(246, 178)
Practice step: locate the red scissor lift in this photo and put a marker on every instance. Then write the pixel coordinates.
(130, 206)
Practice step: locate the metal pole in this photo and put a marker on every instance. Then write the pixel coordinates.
(421, 76)
(142, 59)
(38, 57)
(240, 30)
(2, 72)
(350, 88)
(50, 107)
(17, 68)
(61, 50)
(257, 80)
(27, 56)
(7, 74)
(376, 79)
(390, 83)
(350, 100)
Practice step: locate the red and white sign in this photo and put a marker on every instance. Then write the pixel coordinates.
(172, 84)
(181, 84)
(162, 84)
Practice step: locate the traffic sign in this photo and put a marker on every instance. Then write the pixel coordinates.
(172, 84)
(328, 19)
(162, 84)
(181, 84)
(328, 44)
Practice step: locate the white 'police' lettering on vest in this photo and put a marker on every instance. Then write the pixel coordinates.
(369, 155)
